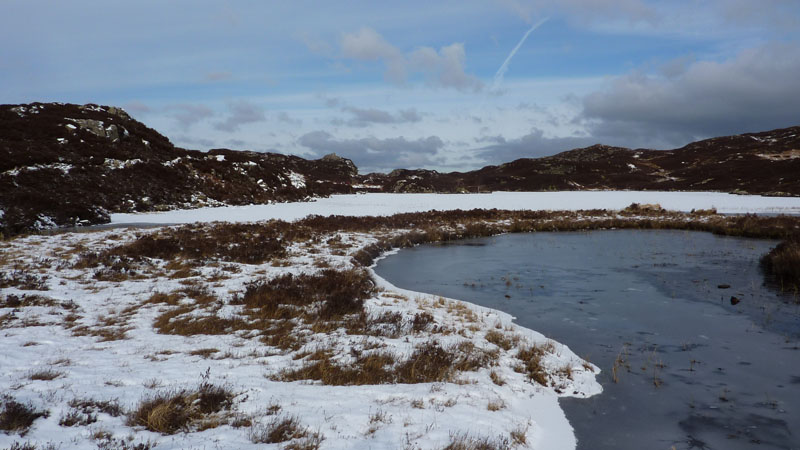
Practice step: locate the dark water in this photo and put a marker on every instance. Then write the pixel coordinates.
(693, 370)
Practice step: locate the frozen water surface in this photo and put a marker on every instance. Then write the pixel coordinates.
(651, 309)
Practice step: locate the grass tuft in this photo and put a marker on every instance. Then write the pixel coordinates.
(16, 417)
(172, 411)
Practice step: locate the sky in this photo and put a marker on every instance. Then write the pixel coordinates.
(444, 85)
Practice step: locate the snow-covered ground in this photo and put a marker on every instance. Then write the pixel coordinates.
(57, 340)
(387, 204)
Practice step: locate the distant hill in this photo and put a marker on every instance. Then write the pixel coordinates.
(64, 165)
(765, 163)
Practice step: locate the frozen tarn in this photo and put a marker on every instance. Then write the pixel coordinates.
(388, 204)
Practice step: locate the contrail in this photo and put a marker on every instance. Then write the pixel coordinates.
(501, 72)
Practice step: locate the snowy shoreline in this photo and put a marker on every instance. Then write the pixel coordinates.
(143, 362)
(388, 204)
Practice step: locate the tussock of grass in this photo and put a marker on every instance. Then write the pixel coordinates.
(44, 375)
(501, 340)
(172, 411)
(531, 359)
(279, 429)
(16, 417)
(334, 294)
(466, 442)
(783, 262)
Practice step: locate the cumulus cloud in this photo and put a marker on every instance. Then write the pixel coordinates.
(241, 112)
(445, 67)
(361, 117)
(371, 153)
(188, 114)
(531, 145)
(758, 89)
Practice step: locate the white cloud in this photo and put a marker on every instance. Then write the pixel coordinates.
(756, 90)
(443, 68)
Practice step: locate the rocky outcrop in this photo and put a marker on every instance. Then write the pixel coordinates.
(63, 165)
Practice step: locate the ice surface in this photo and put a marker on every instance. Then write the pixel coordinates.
(388, 204)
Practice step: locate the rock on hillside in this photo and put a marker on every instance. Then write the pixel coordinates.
(63, 164)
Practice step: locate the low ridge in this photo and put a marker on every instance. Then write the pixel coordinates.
(66, 165)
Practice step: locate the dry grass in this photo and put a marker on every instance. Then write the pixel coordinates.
(466, 442)
(496, 379)
(274, 308)
(172, 411)
(531, 358)
(278, 429)
(430, 362)
(16, 417)
(22, 279)
(502, 340)
(44, 375)
(496, 405)
(519, 437)
(783, 262)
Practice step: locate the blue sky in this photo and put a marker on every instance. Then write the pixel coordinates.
(413, 84)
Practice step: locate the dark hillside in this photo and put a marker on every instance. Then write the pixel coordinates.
(73, 164)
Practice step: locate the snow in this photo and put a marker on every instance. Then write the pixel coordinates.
(220, 158)
(57, 166)
(172, 162)
(297, 180)
(422, 415)
(387, 204)
(631, 166)
(71, 126)
(115, 164)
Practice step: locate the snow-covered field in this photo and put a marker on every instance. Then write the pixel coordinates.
(95, 342)
(91, 341)
(387, 204)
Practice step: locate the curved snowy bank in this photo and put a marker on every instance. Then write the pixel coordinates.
(388, 204)
(532, 404)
